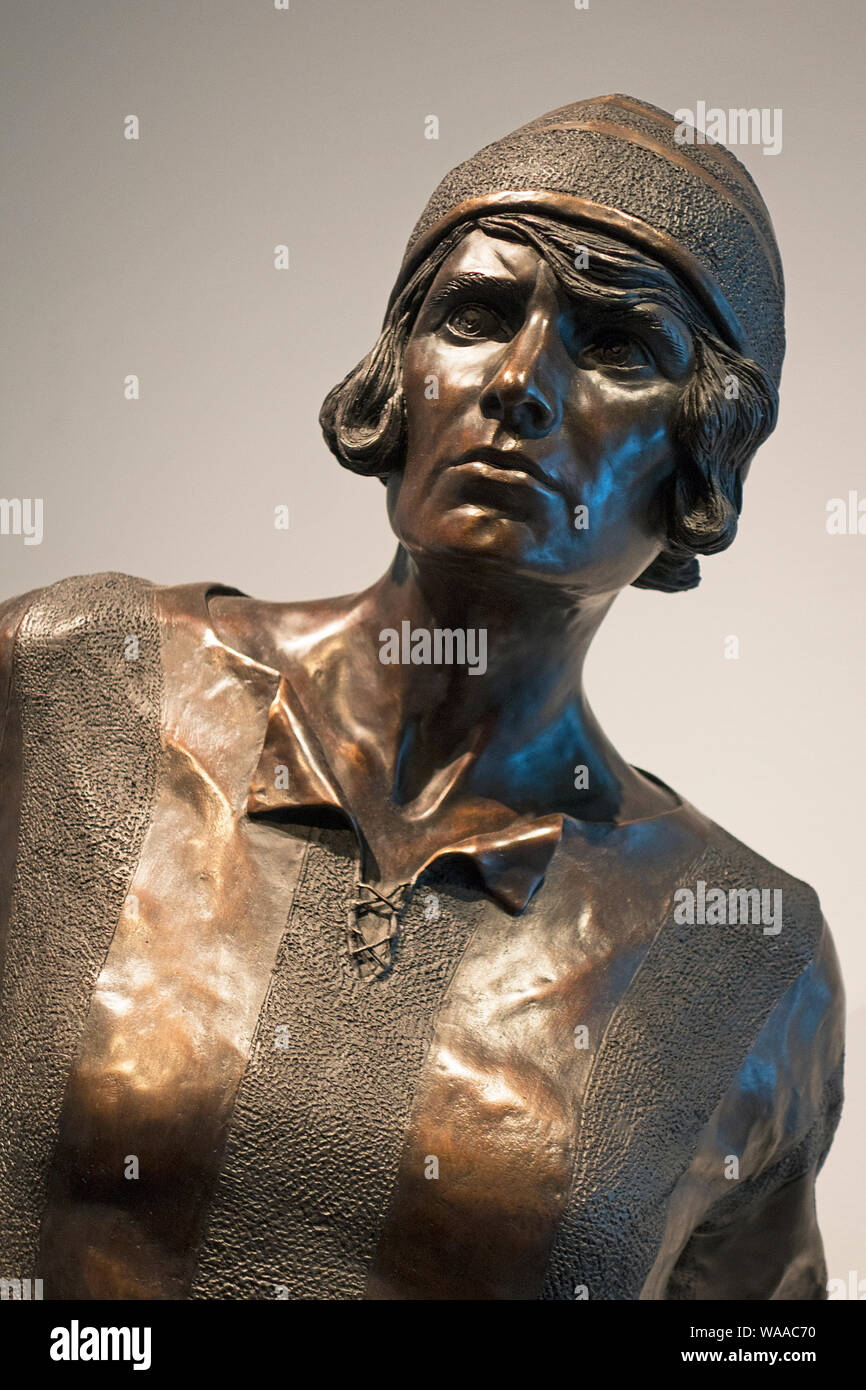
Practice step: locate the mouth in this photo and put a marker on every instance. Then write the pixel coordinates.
(505, 465)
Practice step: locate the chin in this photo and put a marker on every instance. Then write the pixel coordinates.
(469, 532)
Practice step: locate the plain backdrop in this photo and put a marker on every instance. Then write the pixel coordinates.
(307, 127)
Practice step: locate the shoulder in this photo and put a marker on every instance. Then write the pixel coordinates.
(12, 614)
(280, 634)
(778, 1116)
(75, 610)
(744, 970)
(89, 645)
(793, 1071)
(782, 951)
(82, 747)
(109, 630)
(73, 640)
(62, 642)
(68, 607)
(754, 902)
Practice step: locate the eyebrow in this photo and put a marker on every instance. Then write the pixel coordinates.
(473, 280)
(653, 316)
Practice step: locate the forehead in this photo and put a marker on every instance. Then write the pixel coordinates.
(480, 253)
(489, 255)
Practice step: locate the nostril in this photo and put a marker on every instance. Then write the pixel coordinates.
(493, 405)
(540, 412)
(527, 416)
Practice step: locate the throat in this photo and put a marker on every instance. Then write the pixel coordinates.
(422, 784)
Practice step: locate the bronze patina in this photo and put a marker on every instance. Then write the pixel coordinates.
(344, 956)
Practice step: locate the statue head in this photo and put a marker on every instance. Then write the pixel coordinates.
(580, 355)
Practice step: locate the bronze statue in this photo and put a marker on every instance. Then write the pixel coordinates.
(345, 957)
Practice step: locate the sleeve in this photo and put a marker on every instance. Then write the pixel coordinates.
(12, 614)
(758, 1238)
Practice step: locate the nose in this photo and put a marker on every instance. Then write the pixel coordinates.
(522, 394)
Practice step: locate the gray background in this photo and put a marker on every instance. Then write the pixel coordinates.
(307, 127)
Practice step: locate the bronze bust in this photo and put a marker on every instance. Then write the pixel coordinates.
(344, 957)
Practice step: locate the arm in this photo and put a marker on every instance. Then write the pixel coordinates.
(12, 614)
(758, 1236)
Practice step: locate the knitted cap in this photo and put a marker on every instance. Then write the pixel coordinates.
(613, 163)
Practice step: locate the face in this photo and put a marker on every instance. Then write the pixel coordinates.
(540, 431)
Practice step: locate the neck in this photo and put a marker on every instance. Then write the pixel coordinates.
(511, 723)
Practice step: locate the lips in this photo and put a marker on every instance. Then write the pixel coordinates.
(509, 461)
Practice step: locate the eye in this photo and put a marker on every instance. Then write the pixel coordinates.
(619, 350)
(474, 321)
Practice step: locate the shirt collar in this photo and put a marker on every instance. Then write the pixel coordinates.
(293, 773)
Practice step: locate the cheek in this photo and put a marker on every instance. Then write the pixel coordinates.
(425, 417)
(437, 391)
(630, 451)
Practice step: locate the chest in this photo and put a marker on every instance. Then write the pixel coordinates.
(357, 1115)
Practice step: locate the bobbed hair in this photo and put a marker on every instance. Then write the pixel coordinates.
(729, 406)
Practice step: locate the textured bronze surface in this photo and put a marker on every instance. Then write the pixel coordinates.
(343, 953)
(495, 1092)
(176, 1003)
(582, 211)
(499, 1101)
(693, 204)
